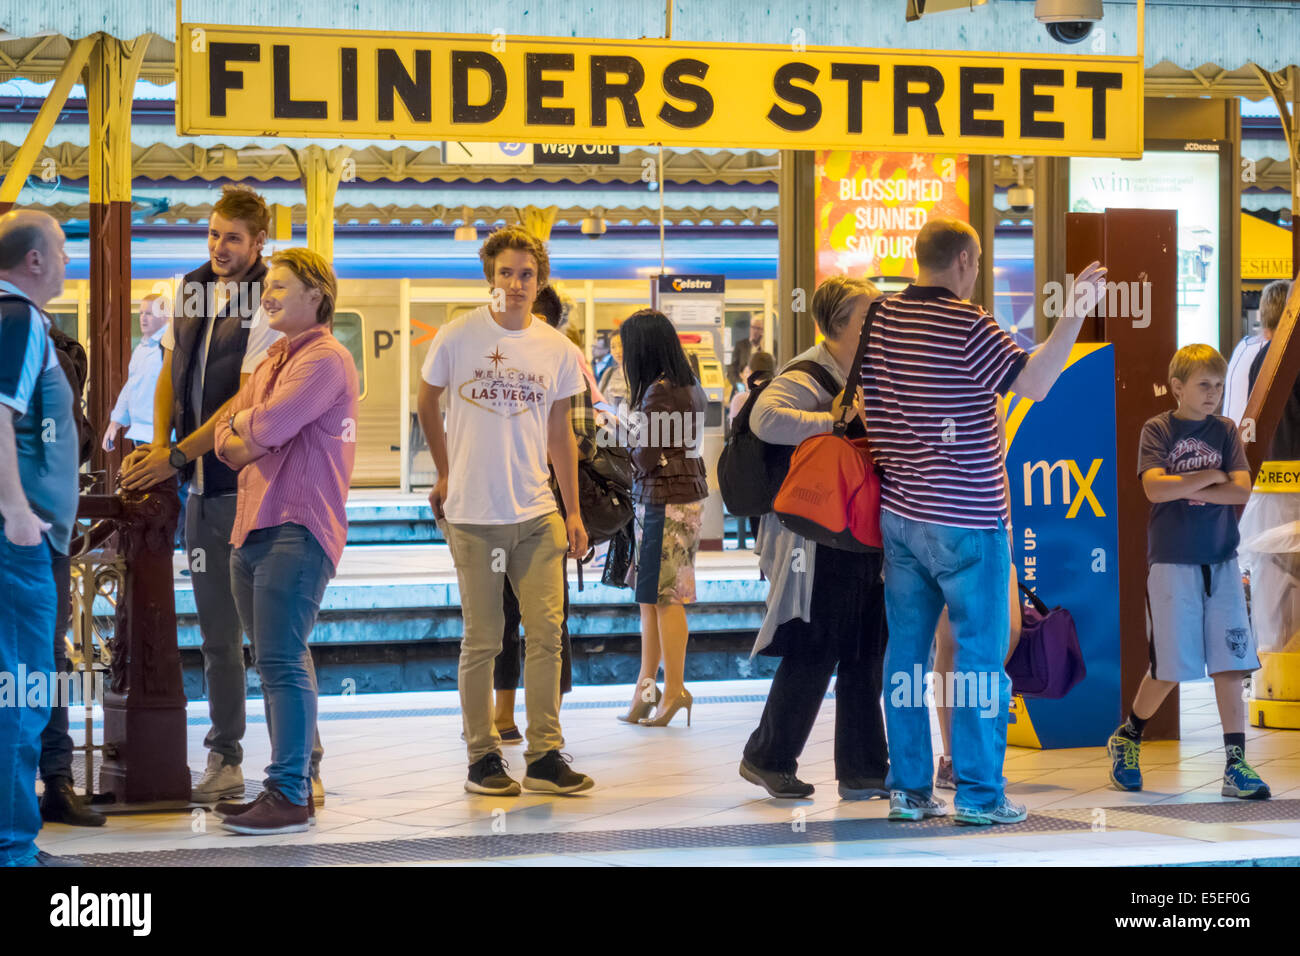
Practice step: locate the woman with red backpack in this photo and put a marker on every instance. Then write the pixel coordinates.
(825, 606)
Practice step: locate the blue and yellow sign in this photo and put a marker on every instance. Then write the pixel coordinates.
(1061, 461)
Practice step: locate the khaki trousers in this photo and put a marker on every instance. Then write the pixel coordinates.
(531, 554)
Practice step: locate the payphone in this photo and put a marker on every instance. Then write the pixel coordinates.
(694, 305)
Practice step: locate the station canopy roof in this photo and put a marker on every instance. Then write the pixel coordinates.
(1181, 35)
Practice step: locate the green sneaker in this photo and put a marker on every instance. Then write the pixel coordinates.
(1125, 774)
(1241, 780)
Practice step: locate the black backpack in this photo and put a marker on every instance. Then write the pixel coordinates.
(76, 368)
(605, 493)
(750, 470)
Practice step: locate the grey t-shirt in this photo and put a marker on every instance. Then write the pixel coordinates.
(1186, 531)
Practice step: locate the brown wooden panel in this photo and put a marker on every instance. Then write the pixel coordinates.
(1086, 243)
(109, 321)
(1141, 245)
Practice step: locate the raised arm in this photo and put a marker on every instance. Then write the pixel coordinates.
(1047, 361)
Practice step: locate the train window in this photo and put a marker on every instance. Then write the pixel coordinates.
(349, 328)
(65, 322)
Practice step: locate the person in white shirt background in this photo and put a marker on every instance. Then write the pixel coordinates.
(134, 408)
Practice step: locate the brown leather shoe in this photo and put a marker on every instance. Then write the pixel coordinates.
(235, 809)
(62, 804)
(270, 813)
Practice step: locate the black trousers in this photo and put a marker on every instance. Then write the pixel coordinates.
(56, 744)
(506, 672)
(846, 636)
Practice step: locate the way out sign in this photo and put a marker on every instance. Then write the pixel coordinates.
(344, 84)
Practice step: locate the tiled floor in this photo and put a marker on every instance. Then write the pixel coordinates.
(672, 796)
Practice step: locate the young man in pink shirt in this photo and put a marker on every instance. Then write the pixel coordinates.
(291, 435)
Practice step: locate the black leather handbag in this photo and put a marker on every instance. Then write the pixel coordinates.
(619, 559)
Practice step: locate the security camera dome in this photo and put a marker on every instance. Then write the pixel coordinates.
(1068, 21)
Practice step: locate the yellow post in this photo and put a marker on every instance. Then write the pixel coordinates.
(537, 221)
(281, 222)
(110, 75)
(321, 172)
(25, 158)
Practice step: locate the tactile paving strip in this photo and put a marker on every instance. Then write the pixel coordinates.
(1232, 811)
(489, 846)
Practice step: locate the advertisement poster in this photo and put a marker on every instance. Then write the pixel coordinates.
(1187, 182)
(870, 207)
(1065, 537)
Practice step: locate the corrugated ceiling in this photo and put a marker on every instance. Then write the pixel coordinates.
(1188, 33)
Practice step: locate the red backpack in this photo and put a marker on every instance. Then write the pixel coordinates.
(831, 494)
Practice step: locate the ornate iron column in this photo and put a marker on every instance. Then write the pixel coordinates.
(144, 703)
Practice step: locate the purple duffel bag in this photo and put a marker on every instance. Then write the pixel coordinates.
(1047, 661)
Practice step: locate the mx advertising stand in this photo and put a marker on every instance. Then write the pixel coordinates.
(1078, 510)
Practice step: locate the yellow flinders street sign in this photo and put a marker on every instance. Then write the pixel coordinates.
(343, 84)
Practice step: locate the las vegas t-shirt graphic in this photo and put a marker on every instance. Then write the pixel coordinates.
(502, 390)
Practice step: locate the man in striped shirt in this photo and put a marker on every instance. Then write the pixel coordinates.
(932, 372)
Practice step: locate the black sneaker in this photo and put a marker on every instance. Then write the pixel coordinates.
(550, 773)
(783, 786)
(863, 788)
(488, 775)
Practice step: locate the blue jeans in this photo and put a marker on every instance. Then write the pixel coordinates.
(278, 578)
(927, 566)
(27, 602)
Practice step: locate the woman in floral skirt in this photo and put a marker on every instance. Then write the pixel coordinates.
(665, 434)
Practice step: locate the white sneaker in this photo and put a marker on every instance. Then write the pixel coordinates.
(905, 806)
(221, 781)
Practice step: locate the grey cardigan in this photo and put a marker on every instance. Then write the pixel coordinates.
(792, 407)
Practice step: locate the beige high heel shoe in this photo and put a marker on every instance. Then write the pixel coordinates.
(664, 719)
(642, 707)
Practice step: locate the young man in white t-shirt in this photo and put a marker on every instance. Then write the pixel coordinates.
(507, 376)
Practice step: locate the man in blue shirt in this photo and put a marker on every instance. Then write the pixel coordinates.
(38, 506)
(134, 408)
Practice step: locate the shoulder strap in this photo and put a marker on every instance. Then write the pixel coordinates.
(1034, 599)
(819, 373)
(855, 373)
(37, 406)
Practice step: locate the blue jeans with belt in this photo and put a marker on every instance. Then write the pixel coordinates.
(929, 565)
(27, 603)
(278, 578)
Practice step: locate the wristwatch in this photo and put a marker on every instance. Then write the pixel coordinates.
(176, 458)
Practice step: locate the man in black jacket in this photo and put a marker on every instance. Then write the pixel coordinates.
(218, 337)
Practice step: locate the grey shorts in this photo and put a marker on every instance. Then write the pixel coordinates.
(1199, 623)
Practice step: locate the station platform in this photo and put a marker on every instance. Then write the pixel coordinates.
(390, 619)
(394, 770)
